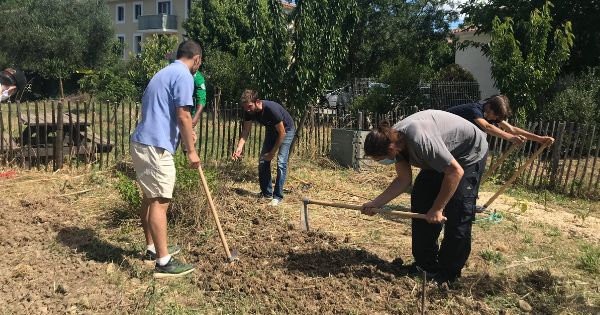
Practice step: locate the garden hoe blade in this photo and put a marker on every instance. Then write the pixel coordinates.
(304, 215)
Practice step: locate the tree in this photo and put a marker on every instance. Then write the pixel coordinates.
(223, 29)
(55, 38)
(524, 70)
(583, 14)
(386, 29)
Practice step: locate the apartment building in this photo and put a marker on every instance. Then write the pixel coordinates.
(134, 20)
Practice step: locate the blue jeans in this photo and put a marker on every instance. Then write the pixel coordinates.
(264, 167)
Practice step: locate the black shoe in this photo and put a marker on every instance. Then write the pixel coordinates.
(442, 279)
(415, 271)
(174, 268)
(480, 209)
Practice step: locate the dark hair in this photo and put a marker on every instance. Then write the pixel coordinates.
(249, 96)
(10, 76)
(500, 105)
(379, 140)
(189, 49)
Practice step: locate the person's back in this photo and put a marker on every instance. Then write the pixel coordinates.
(170, 87)
(431, 133)
(469, 111)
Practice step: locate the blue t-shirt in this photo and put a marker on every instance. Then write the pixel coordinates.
(272, 114)
(171, 87)
(470, 112)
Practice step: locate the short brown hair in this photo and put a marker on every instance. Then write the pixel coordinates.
(189, 49)
(378, 141)
(500, 105)
(249, 96)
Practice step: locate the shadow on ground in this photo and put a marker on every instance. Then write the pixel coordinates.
(347, 261)
(87, 241)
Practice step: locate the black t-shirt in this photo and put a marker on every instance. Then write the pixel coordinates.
(272, 114)
(470, 112)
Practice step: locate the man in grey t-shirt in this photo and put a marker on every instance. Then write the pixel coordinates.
(451, 153)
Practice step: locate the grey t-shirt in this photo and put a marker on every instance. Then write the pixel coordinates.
(435, 138)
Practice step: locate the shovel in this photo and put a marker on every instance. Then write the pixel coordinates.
(392, 211)
(231, 256)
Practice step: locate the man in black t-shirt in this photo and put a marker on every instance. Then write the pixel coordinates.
(278, 139)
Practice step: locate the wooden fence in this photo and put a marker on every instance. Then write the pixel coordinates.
(97, 135)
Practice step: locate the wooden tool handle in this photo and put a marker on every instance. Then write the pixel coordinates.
(213, 209)
(499, 162)
(400, 214)
(516, 174)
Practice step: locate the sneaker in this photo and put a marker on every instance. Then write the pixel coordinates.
(150, 257)
(480, 209)
(174, 268)
(275, 202)
(260, 195)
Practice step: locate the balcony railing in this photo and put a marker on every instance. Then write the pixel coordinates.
(161, 22)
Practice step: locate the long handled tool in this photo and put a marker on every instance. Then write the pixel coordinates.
(501, 160)
(515, 175)
(232, 256)
(388, 210)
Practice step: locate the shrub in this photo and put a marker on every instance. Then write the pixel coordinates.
(577, 99)
(129, 192)
(455, 73)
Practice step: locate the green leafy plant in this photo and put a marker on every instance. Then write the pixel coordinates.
(129, 192)
(491, 256)
(523, 70)
(589, 260)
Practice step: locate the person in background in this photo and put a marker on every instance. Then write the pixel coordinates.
(199, 98)
(278, 140)
(494, 111)
(11, 82)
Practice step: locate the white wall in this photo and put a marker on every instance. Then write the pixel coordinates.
(473, 60)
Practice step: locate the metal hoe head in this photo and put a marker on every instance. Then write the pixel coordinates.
(304, 215)
(234, 256)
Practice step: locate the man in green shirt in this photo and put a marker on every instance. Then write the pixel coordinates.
(199, 98)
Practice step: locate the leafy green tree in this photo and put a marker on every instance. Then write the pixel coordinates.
(582, 13)
(524, 70)
(55, 38)
(417, 30)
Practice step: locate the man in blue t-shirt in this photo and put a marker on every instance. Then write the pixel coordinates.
(493, 112)
(278, 139)
(165, 113)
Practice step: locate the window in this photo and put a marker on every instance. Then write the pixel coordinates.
(137, 11)
(121, 39)
(164, 7)
(137, 43)
(120, 13)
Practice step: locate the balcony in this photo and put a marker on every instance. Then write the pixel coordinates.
(157, 23)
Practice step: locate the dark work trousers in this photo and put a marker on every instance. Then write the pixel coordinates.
(449, 259)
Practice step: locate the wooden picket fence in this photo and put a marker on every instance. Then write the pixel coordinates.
(96, 135)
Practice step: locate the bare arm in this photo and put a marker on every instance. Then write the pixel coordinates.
(245, 132)
(196, 118)
(497, 132)
(452, 176)
(399, 185)
(184, 121)
(528, 135)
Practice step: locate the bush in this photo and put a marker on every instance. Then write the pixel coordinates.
(129, 192)
(577, 99)
(454, 73)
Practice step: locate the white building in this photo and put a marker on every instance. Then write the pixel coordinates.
(473, 60)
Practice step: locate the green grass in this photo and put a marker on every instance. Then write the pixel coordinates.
(589, 260)
(491, 256)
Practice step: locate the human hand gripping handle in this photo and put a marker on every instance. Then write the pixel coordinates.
(194, 159)
(435, 216)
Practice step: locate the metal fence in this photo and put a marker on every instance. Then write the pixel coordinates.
(97, 135)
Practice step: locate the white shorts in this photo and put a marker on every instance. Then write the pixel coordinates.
(155, 170)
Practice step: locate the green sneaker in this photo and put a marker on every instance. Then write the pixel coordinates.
(174, 268)
(150, 257)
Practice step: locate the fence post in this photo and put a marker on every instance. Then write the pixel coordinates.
(360, 120)
(556, 153)
(58, 143)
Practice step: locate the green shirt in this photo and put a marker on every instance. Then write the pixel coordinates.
(199, 92)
